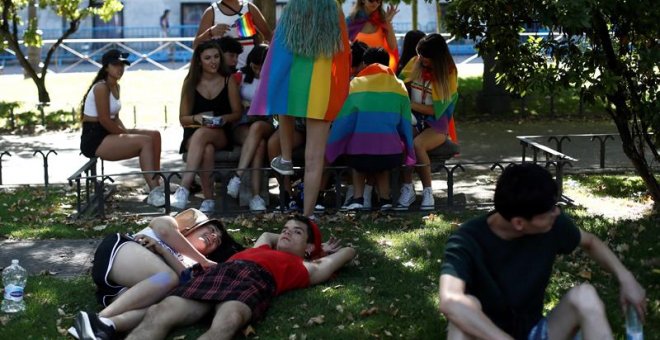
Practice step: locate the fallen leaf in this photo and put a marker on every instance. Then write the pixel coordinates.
(4, 319)
(100, 227)
(180, 337)
(339, 308)
(61, 312)
(368, 312)
(585, 274)
(387, 332)
(316, 320)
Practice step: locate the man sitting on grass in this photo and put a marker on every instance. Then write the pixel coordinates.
(241, 289)
(497, 267)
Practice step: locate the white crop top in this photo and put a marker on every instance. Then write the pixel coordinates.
(187, 262)
(90, 104)
(221, 18)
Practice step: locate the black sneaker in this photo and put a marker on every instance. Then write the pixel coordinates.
(90, 327)
(384, 204)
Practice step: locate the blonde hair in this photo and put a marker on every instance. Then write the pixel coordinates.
(359, 7)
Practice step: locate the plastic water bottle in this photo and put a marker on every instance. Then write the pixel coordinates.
(634, 330)
(14, 278)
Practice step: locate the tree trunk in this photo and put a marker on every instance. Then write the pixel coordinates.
(268, 9)
(493, 98)
(413, 7)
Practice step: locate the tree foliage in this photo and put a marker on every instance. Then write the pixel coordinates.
(608, 49)
(14, 32)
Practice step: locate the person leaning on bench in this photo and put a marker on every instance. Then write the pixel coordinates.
(103, 133)
(210, 102)
(496, 268)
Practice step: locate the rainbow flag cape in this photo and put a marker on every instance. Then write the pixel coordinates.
(244, 26)
(442, 107)
(375, 118)
(305, 87)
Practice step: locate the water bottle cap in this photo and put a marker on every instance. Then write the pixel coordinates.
(14, 261)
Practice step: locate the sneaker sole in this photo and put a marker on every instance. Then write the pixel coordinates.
(84, 327)
(283, 172)
(400, 208)
(426, 207)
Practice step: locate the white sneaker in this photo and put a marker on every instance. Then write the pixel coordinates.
(208, 206)
(180, 198)
(257, 204)
(428, 202)
(368, 189)
(406, 198)
(156, 197)
(234, 186)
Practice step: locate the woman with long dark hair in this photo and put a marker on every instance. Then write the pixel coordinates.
(432, 81)
(105, 136)
(210, 102)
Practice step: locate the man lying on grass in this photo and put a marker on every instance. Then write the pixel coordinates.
(241, 289)
(497, 267)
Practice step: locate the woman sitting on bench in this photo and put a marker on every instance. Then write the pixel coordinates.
(209, 102)
(105, 136)
(431, 79)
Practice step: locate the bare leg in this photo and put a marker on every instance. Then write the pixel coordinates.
(317, 136)
(258, 132)
(383, 184)
(286, 136)
(206, 176)
(126, 146)
(157, 143)
(171, 312)
(229, 317)
(148, 277)
(580, 308)
(275, 150)
(358, 183)
(128, 320)
(425, 141)
(258, 162)
(196, 148)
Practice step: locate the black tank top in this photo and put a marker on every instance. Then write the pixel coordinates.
(218, 105)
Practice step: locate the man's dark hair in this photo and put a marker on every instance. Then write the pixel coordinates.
(230, 44)
(376, 55)
(525, 190)
(357, 51)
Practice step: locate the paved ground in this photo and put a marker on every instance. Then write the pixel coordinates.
(480, 142)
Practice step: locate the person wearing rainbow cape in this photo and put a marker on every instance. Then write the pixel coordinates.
(432, 81)
(306, 75)
(373, 131)
(370, 23)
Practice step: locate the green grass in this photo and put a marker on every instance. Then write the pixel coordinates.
(620, 186)
(29, 212)
(389, 291)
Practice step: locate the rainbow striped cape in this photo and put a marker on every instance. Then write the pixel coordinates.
(244, 26)
(442, 107)
(300, 86)
(375, 119)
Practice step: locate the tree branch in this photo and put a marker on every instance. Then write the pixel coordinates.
(73, 27)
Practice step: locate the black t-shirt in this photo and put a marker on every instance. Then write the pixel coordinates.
(508, 277)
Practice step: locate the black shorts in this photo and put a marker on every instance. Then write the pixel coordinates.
(104, 256)
(92, 135)
(374, 163)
